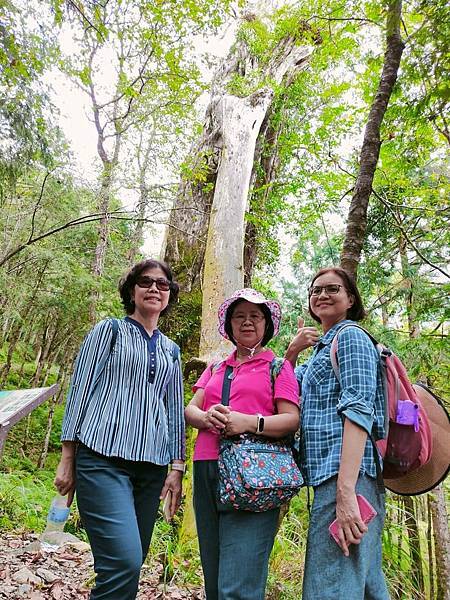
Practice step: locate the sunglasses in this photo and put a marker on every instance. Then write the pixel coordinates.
(330, 290)
(163, 285)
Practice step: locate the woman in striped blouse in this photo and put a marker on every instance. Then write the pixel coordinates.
(123, 425)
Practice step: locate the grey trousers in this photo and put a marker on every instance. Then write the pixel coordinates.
(235, 545)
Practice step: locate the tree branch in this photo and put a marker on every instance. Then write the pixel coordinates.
(36, 206)
(83, 16)
(407, 238)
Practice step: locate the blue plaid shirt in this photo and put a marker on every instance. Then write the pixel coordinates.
(325, 402)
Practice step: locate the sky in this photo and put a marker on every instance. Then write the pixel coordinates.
(74, 114)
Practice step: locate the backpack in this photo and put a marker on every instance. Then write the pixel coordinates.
(408, 442)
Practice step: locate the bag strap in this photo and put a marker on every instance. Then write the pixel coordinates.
(335, 365)
(227, 379)
(334, 345)
(275, 367)
(115, 329)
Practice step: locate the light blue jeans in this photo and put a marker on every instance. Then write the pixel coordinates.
(118, 502)
(329, 575)
(235, 545)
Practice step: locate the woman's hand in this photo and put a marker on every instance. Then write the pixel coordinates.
(351, 527)
(214, 419)
(173, 484)
(217, 417)
(304, 338)
(239, 423)
(65, 478)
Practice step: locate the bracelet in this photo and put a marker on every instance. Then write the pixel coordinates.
(178, 467)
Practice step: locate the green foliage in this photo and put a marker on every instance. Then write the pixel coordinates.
(182, 323)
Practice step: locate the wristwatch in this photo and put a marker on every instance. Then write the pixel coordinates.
(178, 467)
(259, 424)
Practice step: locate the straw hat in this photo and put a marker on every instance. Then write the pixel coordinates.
(428, 476)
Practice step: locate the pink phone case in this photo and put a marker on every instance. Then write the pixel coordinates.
(367, 514)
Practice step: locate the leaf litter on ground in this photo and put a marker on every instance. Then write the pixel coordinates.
(32, 571)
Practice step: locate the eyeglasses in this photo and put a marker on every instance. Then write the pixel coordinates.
(254, 318)
(330, 289)
(163, 285)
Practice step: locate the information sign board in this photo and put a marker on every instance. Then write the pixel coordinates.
(16, 404)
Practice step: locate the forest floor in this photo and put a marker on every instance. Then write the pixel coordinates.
(30, 571)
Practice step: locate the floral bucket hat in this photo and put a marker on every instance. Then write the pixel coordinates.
(254, 296)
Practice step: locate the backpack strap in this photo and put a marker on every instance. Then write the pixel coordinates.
(334, 346)
(275, 369)
(115, 329)
(382, 363)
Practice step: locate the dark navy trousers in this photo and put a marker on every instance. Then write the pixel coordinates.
(118, 502)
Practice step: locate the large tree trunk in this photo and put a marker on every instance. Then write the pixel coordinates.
(213, 200)
(218, 172)
(240, 121)
(370, 151)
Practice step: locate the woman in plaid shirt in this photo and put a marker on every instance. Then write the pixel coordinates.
(337, 454)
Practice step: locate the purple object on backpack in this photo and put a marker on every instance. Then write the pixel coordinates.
(408, 413)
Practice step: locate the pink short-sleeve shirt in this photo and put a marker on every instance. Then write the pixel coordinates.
(250, 393)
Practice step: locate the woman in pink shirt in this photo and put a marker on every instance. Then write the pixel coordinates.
(235, 545)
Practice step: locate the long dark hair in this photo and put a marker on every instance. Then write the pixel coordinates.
(128, 281)
(356, 312)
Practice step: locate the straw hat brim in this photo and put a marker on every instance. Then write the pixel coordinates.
(428, 476)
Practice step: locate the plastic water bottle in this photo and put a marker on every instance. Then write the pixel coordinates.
(57, 515)
(53, 535)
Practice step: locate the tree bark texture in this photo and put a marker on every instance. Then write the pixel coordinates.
(228, 144)
(240, 121)
(265, 164)
(370, 151)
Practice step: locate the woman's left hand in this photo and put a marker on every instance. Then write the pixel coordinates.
(239, 423)
(173, 483)
(351, 527)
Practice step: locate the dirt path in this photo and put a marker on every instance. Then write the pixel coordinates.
(29, 572)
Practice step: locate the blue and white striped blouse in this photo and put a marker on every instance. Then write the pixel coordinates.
(127, 402)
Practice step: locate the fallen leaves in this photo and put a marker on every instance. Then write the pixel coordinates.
(29, 572)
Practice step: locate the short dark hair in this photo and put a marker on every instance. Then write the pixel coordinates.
(268, 331)
(128, 281)
(356, 312)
